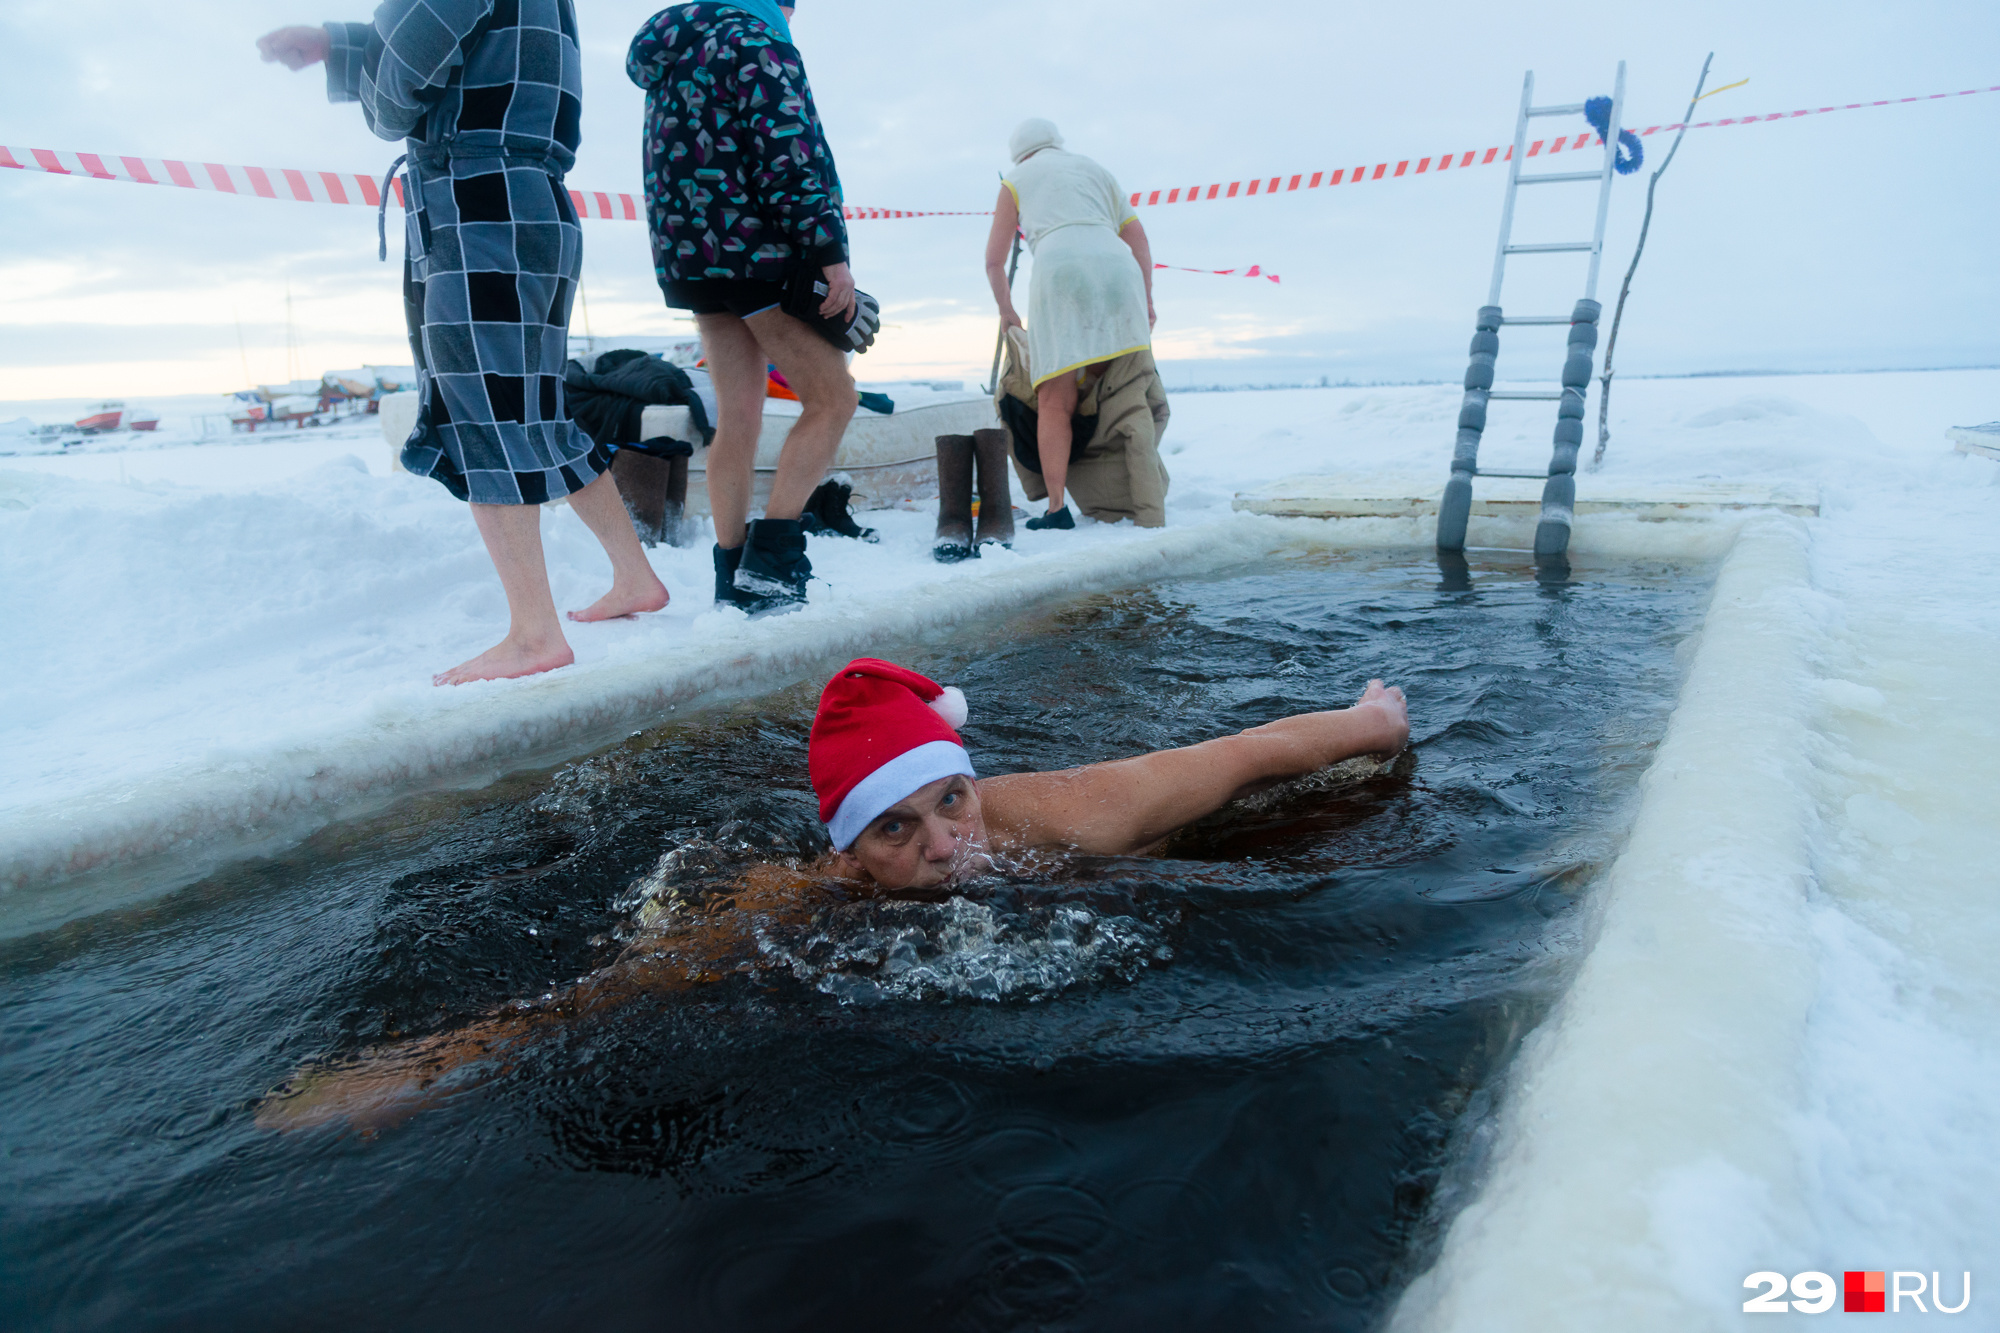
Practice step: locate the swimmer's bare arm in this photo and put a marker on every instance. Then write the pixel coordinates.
(1128, 805)
(388, 1084)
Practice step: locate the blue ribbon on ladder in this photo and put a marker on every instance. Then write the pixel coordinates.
(1598, 112)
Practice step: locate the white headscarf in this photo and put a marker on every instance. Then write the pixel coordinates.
(1031, 136)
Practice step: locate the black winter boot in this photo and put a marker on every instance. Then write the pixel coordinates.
(996, 487)
(726, 593)
(774, 564)
(826, 512)
(954, 526)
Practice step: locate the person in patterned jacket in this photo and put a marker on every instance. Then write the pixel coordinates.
(488, 95)
(741, 193)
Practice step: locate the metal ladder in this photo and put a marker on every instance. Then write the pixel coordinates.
(1559, 491)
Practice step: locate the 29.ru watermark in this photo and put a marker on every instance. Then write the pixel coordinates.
(1860, 1292)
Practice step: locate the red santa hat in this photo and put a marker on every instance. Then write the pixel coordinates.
(881, 732)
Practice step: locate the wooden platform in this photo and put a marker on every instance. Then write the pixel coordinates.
(1510, 497)
(890, 458)
(1981, 440)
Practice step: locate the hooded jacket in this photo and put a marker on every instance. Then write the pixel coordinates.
(740, 182)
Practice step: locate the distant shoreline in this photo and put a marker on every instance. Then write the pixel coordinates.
(11, 408)
(1326, 383)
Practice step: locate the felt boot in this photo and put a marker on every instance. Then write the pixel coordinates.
(996, 489)
(642, 484)
(774, 564)
(675, 529)
(954, 526)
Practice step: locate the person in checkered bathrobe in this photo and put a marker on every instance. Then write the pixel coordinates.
(488, 95)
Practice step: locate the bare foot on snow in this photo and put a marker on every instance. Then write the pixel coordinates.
(622, 601)
(505, 660)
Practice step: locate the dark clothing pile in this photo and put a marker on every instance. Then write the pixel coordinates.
(1024, 426)
(610, 401)
(739, 180)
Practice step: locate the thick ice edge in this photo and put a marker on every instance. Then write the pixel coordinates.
(1664, 1079)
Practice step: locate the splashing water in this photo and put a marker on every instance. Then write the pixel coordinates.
(864, 953)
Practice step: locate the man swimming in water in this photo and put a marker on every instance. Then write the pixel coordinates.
(905, 812)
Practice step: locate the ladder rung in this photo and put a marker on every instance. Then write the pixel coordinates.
(1557, 177)
(1549, 248)
(1525, 396)
(1537, 319)
(1525, 476)
(1573, 109)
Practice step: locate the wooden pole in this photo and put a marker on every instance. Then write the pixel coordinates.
(1625, 290)
(1013, 264)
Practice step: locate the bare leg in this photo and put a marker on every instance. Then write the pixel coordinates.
(634, 585)
(817, 372)
(1055, 401)
(736, 364)
(534, 642)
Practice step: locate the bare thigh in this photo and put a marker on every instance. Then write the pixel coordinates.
(814, 367)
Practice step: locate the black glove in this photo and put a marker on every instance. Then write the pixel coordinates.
(806, 292)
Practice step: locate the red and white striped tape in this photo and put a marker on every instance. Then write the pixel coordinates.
(342, 187)
(309, 187)
(854, 212)
(1254, 271)
(1475, 157)
(317, 187)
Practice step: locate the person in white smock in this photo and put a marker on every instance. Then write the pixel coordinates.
(1090, 294)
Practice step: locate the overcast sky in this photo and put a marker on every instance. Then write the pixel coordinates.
(1853, 240)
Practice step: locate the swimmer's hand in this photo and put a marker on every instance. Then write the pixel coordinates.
(1392, 715)
(1378, 723)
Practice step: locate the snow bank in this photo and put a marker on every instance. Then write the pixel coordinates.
(1902, 1053)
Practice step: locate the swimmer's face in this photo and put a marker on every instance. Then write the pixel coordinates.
(926, 839)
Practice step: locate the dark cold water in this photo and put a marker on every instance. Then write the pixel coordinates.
(1229, 1089)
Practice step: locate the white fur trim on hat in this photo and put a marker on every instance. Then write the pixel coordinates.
(892, 782)
(1031, 136)
(951, 707)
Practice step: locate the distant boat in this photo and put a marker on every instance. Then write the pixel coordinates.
(147, 423)
(106, 418)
